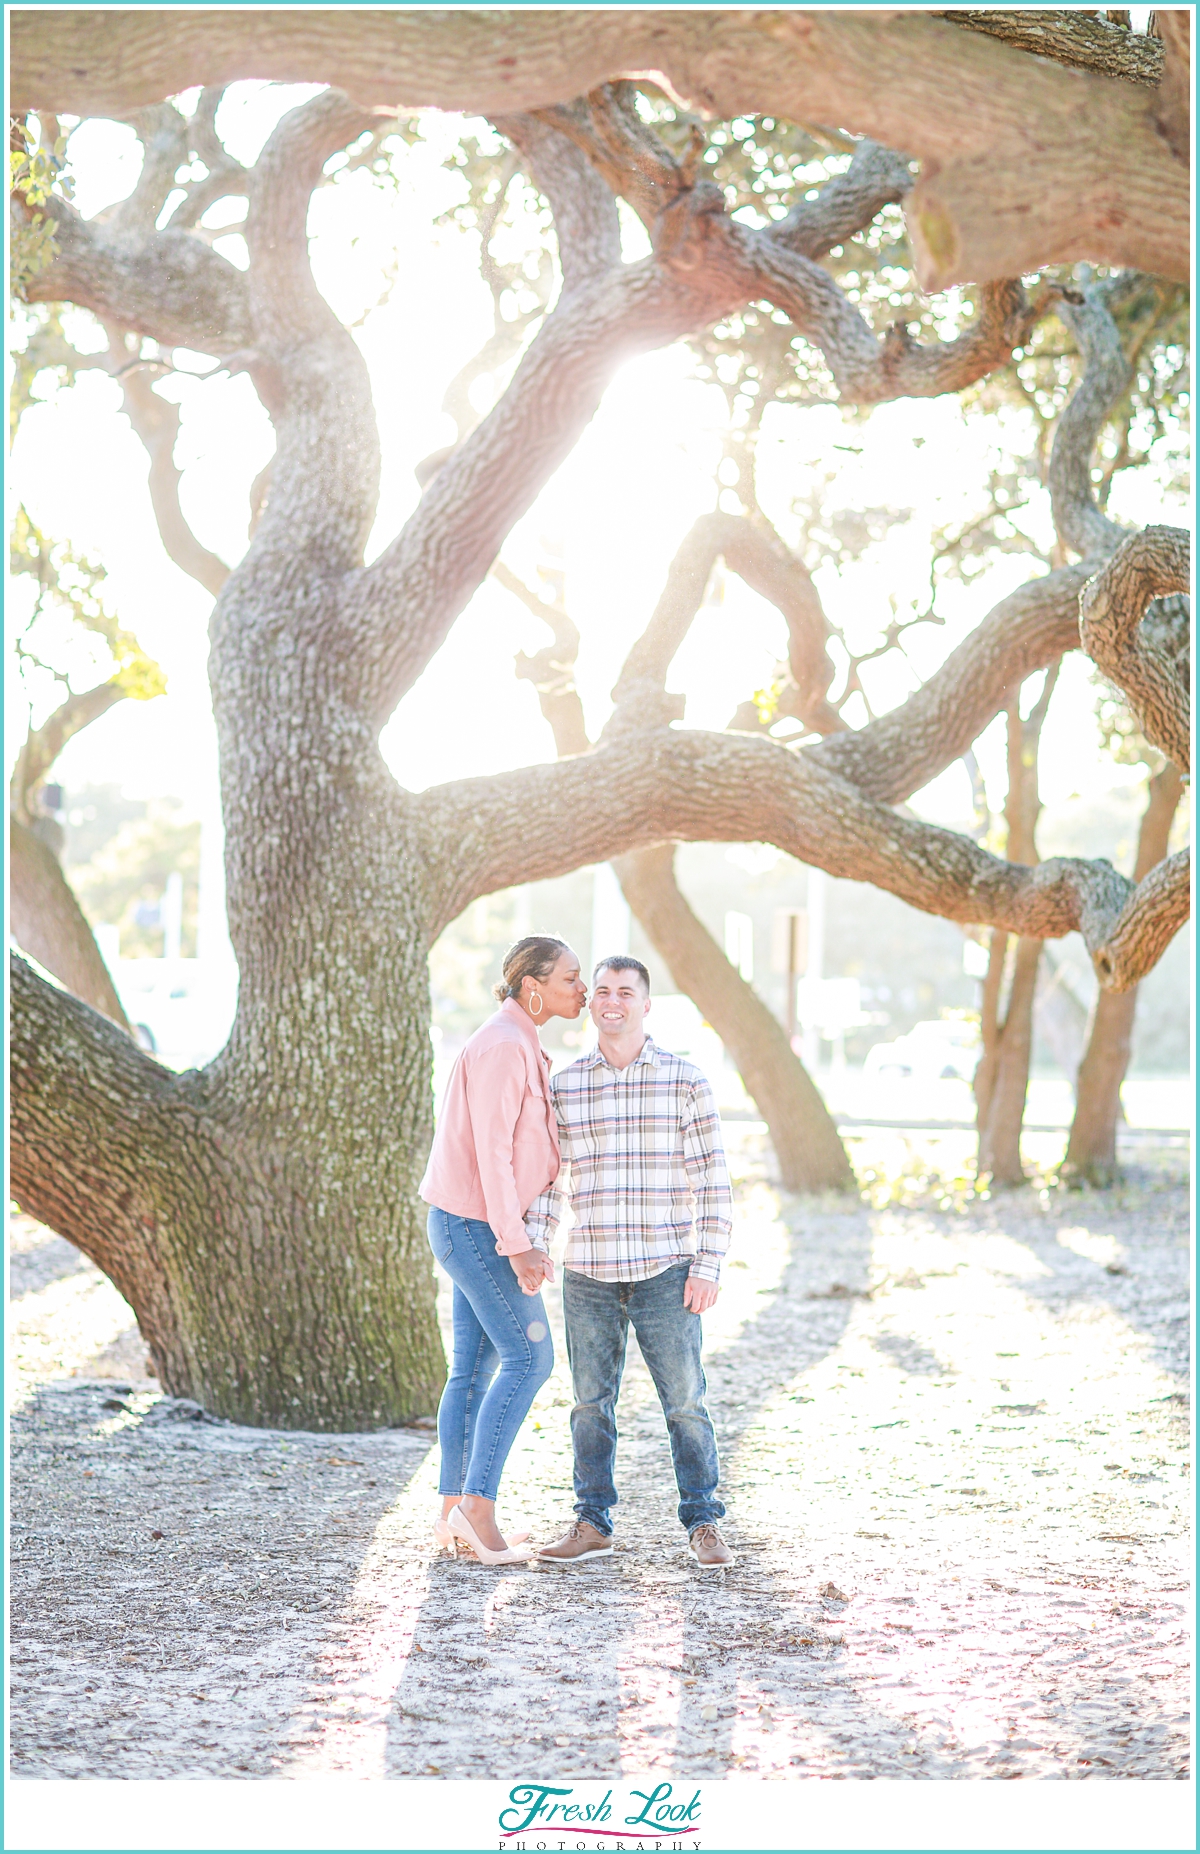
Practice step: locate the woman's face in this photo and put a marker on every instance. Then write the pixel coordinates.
(563, 992)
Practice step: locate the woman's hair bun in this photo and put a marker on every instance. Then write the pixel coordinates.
(533, 957)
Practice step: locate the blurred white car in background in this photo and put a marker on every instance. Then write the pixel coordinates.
(943, 1049)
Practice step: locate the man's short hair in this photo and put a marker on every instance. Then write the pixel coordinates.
(623, 962)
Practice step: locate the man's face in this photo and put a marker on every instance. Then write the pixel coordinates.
(619, 1001)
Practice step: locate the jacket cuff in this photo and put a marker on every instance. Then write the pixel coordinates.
(517, 1243)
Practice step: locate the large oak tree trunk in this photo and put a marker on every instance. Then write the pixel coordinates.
(278, 1275)
(1092, 1148)
(810, 1153)
(260, 1216)
(47, 920)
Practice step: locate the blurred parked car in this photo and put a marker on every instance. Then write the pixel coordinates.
(944, 1049)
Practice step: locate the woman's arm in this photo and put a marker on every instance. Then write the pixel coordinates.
(495, 1089)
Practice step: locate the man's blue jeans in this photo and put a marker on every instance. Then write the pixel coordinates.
(598, 1316)
(503, 1354)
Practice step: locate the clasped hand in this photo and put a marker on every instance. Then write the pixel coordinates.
(532, 1267)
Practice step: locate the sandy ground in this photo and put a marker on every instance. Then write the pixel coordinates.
(954, 1438)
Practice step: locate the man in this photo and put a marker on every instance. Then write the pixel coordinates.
(641, 1147)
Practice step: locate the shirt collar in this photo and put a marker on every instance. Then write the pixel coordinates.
(648, 1053)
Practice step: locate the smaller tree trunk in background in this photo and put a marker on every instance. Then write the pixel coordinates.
(1000, 1132)
(806, 1141)
(1092, 1148)
(48, 923)
(989, 1024)
(1002, 1081)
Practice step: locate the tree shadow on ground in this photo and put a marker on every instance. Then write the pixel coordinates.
(639, 1663)
(169, 1573)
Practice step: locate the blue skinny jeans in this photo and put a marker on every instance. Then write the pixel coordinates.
(503, 1354)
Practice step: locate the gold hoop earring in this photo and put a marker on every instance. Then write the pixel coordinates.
(540, 1006)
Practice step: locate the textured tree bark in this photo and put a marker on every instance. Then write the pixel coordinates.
(810, 1153)
(1152, 671)
(1084, 41)
(48, 922)
(261, 1216)
(1091, 1155)
(1025, 163)
(276, 1277)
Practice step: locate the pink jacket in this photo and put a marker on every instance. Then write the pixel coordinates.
(496, 1144)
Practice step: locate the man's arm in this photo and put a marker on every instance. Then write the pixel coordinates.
(543, 1216)
(545, 1213)
(708, 1175)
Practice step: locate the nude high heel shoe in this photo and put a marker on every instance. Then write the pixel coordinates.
(461, 1528)
(445, 1538)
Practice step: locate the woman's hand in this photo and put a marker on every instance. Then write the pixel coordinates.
(532, 1267)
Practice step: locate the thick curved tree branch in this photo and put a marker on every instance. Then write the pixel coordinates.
(653, 784)
(753, 551)
(876, 177)
(307, 370)
(1084, 41)
(1080, 522)
(416, 589)
(1146, 925)
(895, 755)
(834, 826)
(1102, 185)
(156, 422)
(163, 134)
(1174, 104)
(552, 670)
(92, 1131)
(169, 285)
(689, 226)
(705, 265)
(868, 369)
(47, 922)
(1152, 676)
(43, 745)
(585, 213)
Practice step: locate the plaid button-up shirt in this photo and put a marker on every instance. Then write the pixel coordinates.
(644, 1167)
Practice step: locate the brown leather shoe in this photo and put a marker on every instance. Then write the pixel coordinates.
(582, 1541)
(709, 1549)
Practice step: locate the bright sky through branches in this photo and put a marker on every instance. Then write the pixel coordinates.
(615, 512)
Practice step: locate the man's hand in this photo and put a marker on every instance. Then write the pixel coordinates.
(532, 1267)
(699, 1295)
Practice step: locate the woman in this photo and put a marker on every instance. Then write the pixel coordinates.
(495, 1148)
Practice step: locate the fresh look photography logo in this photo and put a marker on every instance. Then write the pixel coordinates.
(560, 1816)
